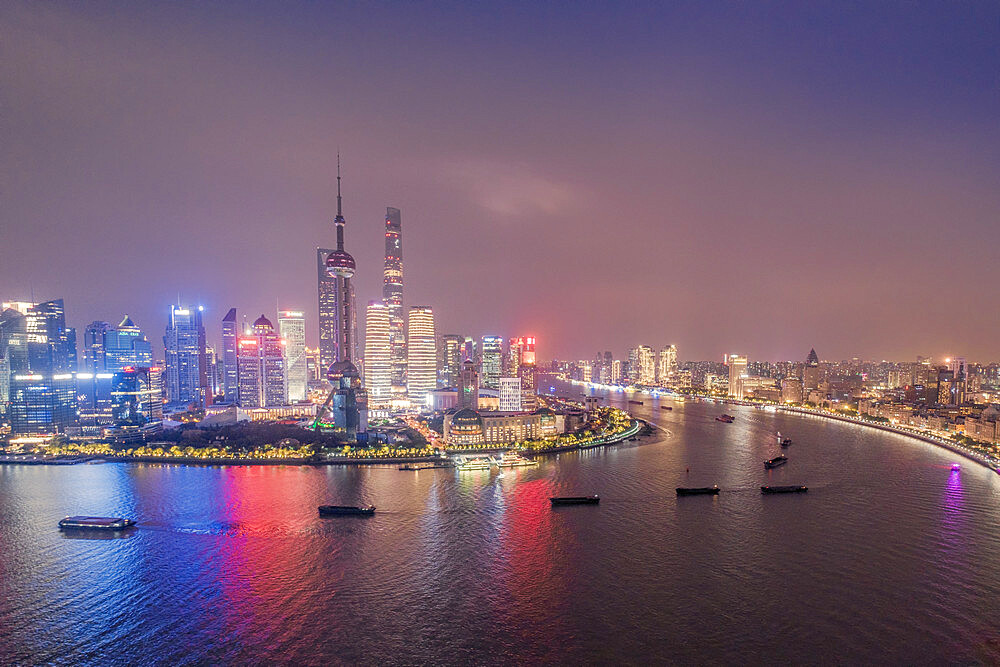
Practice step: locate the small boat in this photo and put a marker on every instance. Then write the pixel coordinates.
(635, 402)
(515, 460)
(575, 500)
(776, 461)
(956, 467)
(784, 442)
(342, 510)
(784, 489)
(95, 523)
(728, 419)
(666, 407)
(698, 491)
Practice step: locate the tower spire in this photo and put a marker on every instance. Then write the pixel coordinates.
(340, 210)
(339, 220)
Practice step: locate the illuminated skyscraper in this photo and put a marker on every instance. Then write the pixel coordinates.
(327, 286)
(492, 361)
(261, 364)
(737, 371)
(527, 372)
(126, 346)
(186, 376)
(378, 355)
(642, 366)
(668, 364)
(39, 353)
(450, 360)
(392, 296)
(93, 346)
(515, 346)
(292, 329)
(421, 363)
(230, 374)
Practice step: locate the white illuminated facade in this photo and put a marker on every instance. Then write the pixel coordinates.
(378, 355)
(421, 355)
(668, 364)
(510, 395)
(737, 371)
(292, 329)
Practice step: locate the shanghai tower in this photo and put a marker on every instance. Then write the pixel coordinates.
(392, 297)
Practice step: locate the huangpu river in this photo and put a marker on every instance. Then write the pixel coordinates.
(890, 557)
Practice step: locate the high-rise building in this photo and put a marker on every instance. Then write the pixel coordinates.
(39, 353)
(491, 363)
(186, 376)
(126, 346)
(642, 366)
(93, 346)
(392, 296)
(378, 355)
(51, 342)
(421, 350)
(510, 394)
(230, 372)
(528, 374)
(810, 373)
(668, 364)
(313, 366)
(338, 338)
(468, 386)
(616, 370)
(737, 371)
(450, 360)
(292, 329)
(469, 349)
(327, 287)
(512, 362)
(261, 366)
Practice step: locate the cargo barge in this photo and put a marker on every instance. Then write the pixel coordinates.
(346, 510)
(698, 491)
(575, 500)
(95, 523)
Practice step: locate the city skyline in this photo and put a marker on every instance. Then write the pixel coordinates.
(800, 220)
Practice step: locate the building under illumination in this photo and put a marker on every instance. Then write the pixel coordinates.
(261, 365)
(491, 364)
(737, 371)
(510, 395)
(186, 376)
(292, 329)
(667, 366)
(392, 297)
(450, 360)
(421, 363)
(378, 355)
(230, 372)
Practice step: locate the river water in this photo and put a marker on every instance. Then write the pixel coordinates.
(890, 557)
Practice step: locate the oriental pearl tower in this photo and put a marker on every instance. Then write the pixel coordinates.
(348, 402)
(340, 266)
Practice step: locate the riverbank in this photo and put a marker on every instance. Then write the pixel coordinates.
(950, 445)
(71, 459)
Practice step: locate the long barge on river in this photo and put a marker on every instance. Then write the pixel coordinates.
(95, 523)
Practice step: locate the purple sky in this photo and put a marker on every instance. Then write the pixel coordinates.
(739, 177)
